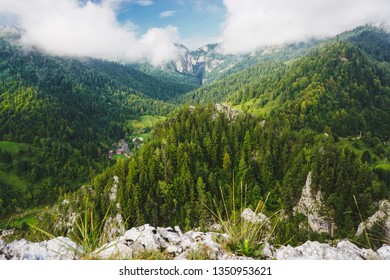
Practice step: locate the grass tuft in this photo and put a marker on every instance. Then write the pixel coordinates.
(245, 238)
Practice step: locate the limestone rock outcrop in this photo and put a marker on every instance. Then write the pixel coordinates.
(381, 217)
(312, 207)
(313, 250)
(60, 248)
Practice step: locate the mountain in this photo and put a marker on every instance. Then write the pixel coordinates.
(204, 62)
(342, 83)
(208, 63)
(62, 114)
(300, 131)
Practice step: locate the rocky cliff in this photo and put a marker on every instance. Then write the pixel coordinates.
(311, 205)
(205, 63)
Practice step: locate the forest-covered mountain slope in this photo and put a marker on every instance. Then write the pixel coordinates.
(203, 157)
(320, 120)
(342, 84)
(70, 111)
(209, 64)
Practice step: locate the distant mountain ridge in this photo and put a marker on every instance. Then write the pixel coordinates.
(209, 64)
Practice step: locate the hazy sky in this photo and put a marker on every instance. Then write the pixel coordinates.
(136, 30)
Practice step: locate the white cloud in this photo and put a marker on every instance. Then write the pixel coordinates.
(169, 13)
(64, 27)
(252, 23)
(197, 41)
(144, 2)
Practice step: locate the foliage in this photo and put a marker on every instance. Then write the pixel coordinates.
(59, 116)
(325, 112)
(197, 151)
(198, 253)
(245, 238)
(341, 84)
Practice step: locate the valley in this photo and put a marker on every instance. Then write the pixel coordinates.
(208, 133)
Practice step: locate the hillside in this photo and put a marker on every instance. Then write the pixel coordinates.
(69, 111)
(302, 133)
(209, 64)
(201, 158)
(341, 84)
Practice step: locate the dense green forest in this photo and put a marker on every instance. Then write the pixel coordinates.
(321, 108)
(195, 157)
(70, 111)
(336, 85)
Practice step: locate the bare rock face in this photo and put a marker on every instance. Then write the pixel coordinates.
(183, 64)
(312, 207)
(230, 112)
(382, 216)
(384, 252)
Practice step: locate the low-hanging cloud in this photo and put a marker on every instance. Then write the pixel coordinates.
(253, 23)
(67, 27)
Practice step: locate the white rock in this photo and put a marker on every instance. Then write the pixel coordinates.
(113, 227)
(178, 230)
(311, 206)
(382, 215)
(185, 243)
(63, 247)
(214, 248)
(195, 235)
(2, 245)
(172, 249)
(145, 235)
(384, 252)
(117, 249)
(366, 254)
(313, 250)
(230, 112)
(269, 251)
(256, 218)
(116, 179)
(169, 235)
(65, 202)
(59, 248)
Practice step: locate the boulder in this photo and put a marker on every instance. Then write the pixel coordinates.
(366, 254)
(257, 218)
(384, 252)
(269, 251)
(117, 249)
(145, 235)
